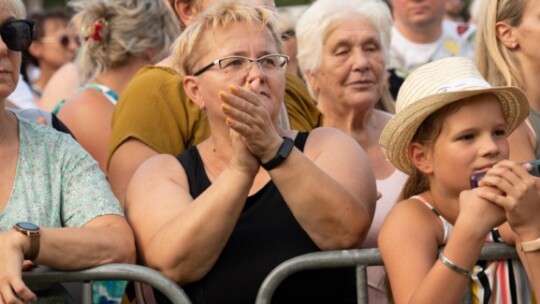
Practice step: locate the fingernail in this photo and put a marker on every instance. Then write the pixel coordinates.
(224, 107)
(228, 121)
(222, 94)
(246, 86)
(233, 88)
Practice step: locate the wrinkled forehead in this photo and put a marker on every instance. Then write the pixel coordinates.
(233, 35)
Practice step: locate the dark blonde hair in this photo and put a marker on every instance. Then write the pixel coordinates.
(189, 47)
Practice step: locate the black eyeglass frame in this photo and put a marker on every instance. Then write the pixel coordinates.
(18, 44)
(256, 60)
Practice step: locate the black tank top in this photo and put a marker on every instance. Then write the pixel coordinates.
(265, 235)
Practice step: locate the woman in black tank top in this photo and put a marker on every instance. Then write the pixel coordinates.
(223, 214)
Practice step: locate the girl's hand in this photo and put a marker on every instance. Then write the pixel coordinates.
(479, 212)
(518, 195)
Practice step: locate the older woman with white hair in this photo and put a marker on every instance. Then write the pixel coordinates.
(342, 52)
(56, 207)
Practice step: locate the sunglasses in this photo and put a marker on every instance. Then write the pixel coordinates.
(64, 40)
(17, 34)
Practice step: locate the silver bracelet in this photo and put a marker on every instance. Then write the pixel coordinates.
(453, 266)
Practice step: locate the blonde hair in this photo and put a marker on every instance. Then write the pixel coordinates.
(129, 28)
(189, 48)
(494, 60)
(15, 7)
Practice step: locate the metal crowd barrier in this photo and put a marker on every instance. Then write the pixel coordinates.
(359, 258)
(128, 272)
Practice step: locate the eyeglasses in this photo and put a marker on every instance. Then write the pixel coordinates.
(233, 64)
(64, 40)
(17, 34)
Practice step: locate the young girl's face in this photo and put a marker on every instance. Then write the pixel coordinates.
(472, 139)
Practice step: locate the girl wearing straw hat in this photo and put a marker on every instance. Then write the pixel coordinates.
(451, 124)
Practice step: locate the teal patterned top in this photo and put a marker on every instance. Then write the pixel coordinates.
(57, 183)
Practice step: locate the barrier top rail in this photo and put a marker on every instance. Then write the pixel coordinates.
(349, 258)
(114, 271)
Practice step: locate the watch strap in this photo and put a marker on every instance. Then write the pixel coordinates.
(530, 246)
(283, 152)
(34, 237)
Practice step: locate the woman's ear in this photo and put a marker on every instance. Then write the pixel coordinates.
(505, 34)
(313, 82)
(421, 158)
(191, 86)
(186, 11)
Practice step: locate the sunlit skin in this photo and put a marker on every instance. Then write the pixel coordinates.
(352, 69)
(222, 43)
(10, 63)
(419, 20)
(54, 53)
(527, 36)
(473, 139)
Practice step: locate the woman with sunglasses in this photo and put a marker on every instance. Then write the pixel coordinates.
(56, 207)
(222, 215)
(119, 38)
(55, 43)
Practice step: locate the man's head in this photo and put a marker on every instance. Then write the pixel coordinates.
(187, 10)
(414, 15)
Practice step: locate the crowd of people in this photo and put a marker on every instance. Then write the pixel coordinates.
(213, 140)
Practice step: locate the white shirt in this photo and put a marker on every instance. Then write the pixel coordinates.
(457, 39)
(22, 96)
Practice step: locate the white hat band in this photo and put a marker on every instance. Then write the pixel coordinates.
(463, 84)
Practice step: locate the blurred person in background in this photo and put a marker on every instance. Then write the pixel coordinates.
(288, 36)
(120, 37)
(55, 44)
(421, 34)
(508, 35)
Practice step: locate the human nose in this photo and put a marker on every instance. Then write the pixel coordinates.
(489, 146)
(360, 61)
(255, 72)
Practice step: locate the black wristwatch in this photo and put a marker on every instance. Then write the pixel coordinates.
(31, 231)
(282, 154)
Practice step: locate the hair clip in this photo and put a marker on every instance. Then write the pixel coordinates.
(95, 31)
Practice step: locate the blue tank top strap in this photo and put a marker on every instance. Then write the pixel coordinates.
(110, 94)
(447, 227)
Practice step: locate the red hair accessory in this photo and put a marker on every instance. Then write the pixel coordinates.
(94, 31)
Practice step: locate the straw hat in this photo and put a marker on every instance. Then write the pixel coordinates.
(433, 86)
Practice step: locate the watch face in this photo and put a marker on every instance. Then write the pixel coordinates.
(27, 226)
